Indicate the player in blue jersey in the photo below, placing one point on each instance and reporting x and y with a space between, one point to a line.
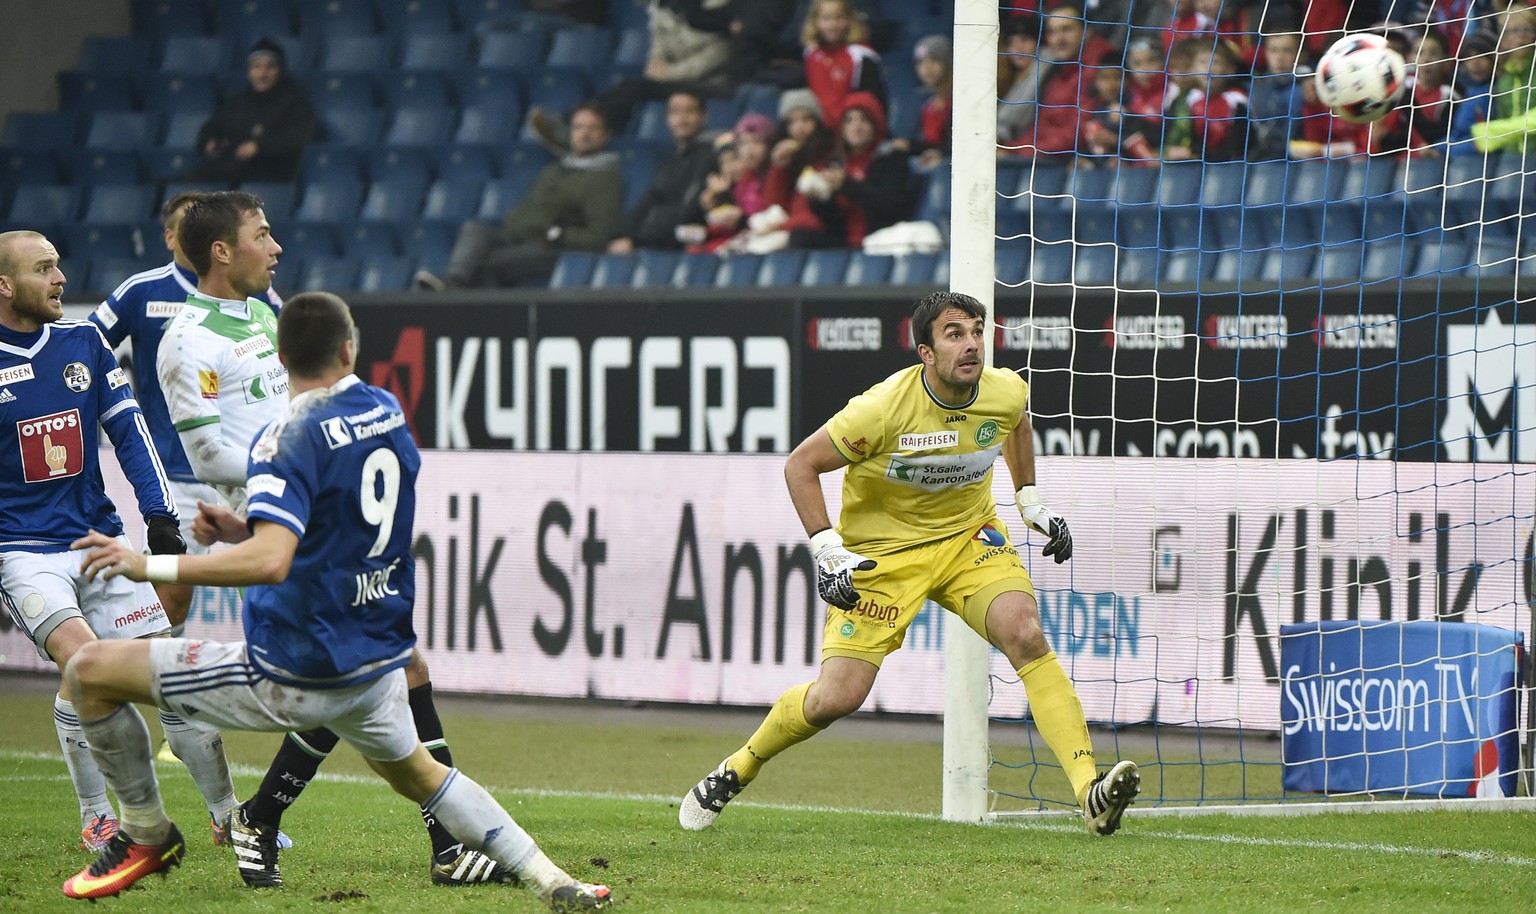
58 383
138 311
331 582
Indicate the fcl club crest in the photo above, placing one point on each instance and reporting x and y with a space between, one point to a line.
77 377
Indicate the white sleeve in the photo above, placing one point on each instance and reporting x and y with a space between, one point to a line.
213 461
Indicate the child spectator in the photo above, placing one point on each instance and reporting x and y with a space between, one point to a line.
1146 84
1511 123
1236 23
934 58
733 193
1320 132
1058 123
870 182
1101 129
837 59
1420 122
1186 21
802 141
1474 90
1276 100
1205 114
1019 72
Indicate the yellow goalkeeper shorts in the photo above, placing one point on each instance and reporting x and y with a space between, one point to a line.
963 574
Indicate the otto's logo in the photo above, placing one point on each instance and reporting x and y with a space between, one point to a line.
986 433
991 536
77 377
208 384
52 447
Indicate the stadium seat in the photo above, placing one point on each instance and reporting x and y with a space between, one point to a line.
421 126
416 17
1385 259
194 54
613 271
762 98
738 270
1185 268
306 240
338 17
1291 267
467 160
1135 185
434 50
365 240
579 46
720 115
99 241
360 51
490 123
522 51
396 198
1369 176
573 270
1494 258
1085 184
1342 261
1137 268
84 91
330 161
248 20
171 92
696 270
27 166
101 166
124 55
1453 259
1050 263
502 194
1094 265
328 200
634 46
429 241
1262 184
654 268
329 274
414 89
453 198
360 127
557 91
934 203
825 268
1314 181
649 123
119 203
915 269
157 19
407 163
1221 183
782 268
341 89
868 269
277 198
902 114
44 204
482 85
1342 222
40 130
385 274
123 130
1180 183
1010 264
1135 226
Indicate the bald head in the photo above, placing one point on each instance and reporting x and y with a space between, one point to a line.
31 283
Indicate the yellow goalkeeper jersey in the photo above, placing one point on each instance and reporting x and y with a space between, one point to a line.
920 470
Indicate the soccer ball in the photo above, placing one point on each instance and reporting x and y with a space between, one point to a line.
1361 78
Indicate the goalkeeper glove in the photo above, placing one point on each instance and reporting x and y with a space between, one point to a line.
835 566
164 536
1047 523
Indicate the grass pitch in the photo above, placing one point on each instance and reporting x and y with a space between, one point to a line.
846 822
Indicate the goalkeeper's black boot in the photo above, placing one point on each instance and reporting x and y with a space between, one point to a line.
255 851
1109 796
581 896
702 806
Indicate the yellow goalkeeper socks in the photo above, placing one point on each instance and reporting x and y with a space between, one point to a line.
1059 717
784 726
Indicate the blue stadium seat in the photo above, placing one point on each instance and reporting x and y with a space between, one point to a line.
1342 261
1492 257
357 51
181 130
1453 259
40 130
430 241
763 98
502 194
194 54
825 268
1010 263
396 198
412 164
557 91
637 174
487 86
247 20
338 17
156 19
1385 217
782 268
721 114
613 271
1342 222
1385 259
368 239
434 50
1291 267
1370 176
329 274
100 241
915 269
169 92
277 198
1314 181
868 269
125 55
934 204
386 274
333 162
341 89
123 130
44 204
421 126
1221 183
1051 263
469 161
1135 226
452 198
654 268
27 166
650 122
1012 225
1137 268
573 270
634 47
902 114
522 51
1186 267
326 200
579 46
1094 265
1135 185
305 241
414 89
101 166
416 17
81 90
490 123
360 127
119 203
1263 184
696 270
738 270
1088 185
1181 182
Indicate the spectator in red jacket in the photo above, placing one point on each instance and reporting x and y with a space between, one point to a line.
1061 109
1206 115
837 59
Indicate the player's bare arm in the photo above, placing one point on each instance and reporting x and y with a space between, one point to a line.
1019 451
262 559
802 472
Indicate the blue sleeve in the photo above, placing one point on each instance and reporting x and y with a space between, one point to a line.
124 423
280 485
118 322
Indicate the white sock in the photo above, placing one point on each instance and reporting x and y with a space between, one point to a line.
201 748
120 743
90 786
473 816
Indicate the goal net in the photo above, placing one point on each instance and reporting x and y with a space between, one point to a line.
1283 383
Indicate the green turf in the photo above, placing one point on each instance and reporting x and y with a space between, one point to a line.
363 849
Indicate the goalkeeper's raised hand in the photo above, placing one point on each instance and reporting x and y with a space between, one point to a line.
835 566
1047 522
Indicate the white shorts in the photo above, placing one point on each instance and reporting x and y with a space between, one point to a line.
216 683
187 495
41 591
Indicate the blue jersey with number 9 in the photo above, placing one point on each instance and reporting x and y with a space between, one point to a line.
340 472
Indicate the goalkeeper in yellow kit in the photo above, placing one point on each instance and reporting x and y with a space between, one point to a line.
919 522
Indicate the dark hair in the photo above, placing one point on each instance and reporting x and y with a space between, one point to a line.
310 331
930 307
698 97
169 208
211 217
591 107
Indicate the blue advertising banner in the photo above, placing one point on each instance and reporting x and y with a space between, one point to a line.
1418 708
